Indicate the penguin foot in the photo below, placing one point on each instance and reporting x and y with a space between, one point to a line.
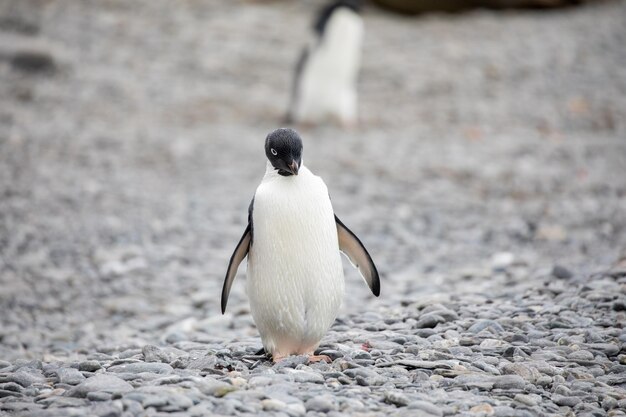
277 357
319 358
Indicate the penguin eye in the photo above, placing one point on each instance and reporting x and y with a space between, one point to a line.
273 151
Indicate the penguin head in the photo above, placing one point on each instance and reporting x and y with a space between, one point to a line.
283 148
327 11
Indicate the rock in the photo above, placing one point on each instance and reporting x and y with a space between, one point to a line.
561 272
322 404
527 373
502 260
99 396
139 367
481 325
152 353
509 382
426 408
89 366
70 376
484 409
429 321
102 383
482 382
273 405
609 349
396 398
33 61
306 376
25 377
565 401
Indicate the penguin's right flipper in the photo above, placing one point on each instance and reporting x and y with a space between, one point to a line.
239 255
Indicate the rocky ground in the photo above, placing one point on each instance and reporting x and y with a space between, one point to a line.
486 178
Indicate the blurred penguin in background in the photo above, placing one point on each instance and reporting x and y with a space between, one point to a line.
324 87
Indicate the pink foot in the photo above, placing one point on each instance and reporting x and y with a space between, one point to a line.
319 358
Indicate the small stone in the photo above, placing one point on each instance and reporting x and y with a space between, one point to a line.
139 367
561 272
481 325
33 62
7 393
152 353
89 366
101 382
306 376
565 401
502 260
323 404
99 396
396 398
525 399
483 382
426 407
273 405
70 376
27 376
429 321
609 349
483 408
509 382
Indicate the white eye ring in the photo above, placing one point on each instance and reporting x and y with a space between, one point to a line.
273 151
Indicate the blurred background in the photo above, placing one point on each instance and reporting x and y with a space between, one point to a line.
490 153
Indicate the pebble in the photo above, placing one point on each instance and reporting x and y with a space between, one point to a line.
322 404
102 383
481 325
396 398
140 367
89 366
152 353
426 408
70 376
564 400
484 409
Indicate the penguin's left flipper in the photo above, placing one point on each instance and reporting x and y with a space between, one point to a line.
239 255
352 247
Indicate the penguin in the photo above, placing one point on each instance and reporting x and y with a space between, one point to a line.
293 241
324 86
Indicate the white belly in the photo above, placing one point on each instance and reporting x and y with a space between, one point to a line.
295 278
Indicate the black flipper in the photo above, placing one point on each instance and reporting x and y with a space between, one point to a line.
240 253
352 247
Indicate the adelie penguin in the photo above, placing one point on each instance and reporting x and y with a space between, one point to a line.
293 241
324 86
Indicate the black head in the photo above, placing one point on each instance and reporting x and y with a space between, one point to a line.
327 11
283 148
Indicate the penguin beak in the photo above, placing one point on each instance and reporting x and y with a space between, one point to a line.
293 167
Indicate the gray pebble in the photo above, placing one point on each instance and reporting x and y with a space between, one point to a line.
322 403
426 407
89 366
102 382
565 401
99 396
306 376
509 382
429 321
396 398
481 325
139 367
152 353
70 376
